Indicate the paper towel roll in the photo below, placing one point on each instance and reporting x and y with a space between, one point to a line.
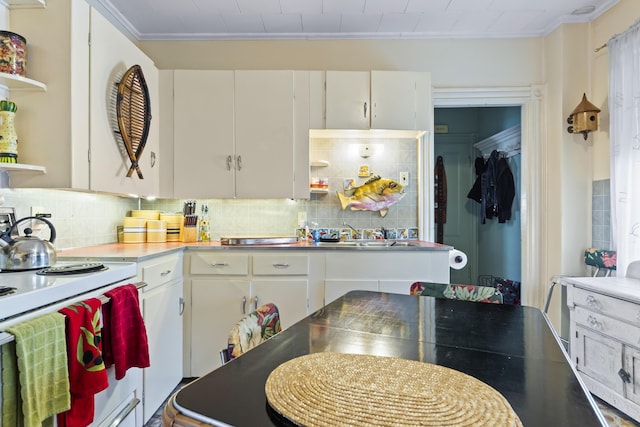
457 259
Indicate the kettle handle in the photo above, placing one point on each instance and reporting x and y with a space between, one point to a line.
46 221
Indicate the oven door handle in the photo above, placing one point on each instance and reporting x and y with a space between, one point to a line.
124 413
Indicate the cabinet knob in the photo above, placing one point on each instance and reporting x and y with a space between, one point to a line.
229 162
365 110
181 306
624 376
153 158
255 302
239 163
243 307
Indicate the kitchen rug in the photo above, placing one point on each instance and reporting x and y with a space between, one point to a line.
331 389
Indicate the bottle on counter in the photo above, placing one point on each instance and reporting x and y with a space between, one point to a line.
204 230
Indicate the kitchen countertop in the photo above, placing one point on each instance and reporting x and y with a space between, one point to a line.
132 252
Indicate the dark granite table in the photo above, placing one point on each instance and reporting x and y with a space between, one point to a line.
511 348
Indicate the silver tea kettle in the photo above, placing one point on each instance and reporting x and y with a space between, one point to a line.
26 252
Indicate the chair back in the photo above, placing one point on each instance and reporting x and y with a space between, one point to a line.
253 329
601 259
475 293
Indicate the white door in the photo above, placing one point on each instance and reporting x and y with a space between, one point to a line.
216 306
264 134
162 312
203 134
599 357
462 220
111 55
400 100
290 296
348 104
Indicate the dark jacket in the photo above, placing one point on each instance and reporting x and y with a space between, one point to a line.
494 188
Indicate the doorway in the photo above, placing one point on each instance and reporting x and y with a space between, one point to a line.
493 248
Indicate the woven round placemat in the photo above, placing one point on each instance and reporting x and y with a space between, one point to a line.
334 389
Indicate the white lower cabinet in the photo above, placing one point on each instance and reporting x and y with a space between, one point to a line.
384 271
225 287
605 340
162 309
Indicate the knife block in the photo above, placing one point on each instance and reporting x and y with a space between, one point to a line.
190 234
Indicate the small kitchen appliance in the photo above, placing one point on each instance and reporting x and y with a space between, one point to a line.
27 252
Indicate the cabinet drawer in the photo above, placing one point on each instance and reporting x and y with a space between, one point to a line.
280 265
607 326
620 309
219 264
162 271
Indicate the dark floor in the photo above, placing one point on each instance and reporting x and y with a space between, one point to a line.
156 419
614 417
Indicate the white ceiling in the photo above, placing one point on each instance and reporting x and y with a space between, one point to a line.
333 19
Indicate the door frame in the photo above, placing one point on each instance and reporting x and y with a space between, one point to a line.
530 98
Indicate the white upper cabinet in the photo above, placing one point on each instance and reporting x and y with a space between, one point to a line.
348 103
111 55
234 134
203 141
73 121
398 100
264 134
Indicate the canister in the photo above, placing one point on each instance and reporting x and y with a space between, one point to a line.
13 53
145 213
135 230
156 231
174 226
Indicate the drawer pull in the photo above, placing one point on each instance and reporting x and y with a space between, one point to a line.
244 305
255 302
281 265
166 272
181 305
592 301
625 376
219 264
594 323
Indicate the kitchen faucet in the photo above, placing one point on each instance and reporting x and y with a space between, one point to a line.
354 230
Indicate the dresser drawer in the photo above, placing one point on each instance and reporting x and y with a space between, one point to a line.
611 306
607 326
162 270
215 264
280 265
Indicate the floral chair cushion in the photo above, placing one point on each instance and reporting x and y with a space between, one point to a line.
461 292
253 329
601 258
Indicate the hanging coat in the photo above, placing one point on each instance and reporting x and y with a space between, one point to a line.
494 188
440 198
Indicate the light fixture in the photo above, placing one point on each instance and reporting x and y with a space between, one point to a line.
584 118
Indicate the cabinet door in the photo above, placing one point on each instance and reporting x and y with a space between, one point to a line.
290 296
599 357
216 305
348 104
334 289
203 134
111 55
264 134
400 100
632 367
162 311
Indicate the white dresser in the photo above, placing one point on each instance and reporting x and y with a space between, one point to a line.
605 337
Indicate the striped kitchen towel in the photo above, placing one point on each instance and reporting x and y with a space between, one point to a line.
43 378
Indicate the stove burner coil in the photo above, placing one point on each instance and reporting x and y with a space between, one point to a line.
66 270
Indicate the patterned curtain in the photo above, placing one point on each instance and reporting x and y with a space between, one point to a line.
624 107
